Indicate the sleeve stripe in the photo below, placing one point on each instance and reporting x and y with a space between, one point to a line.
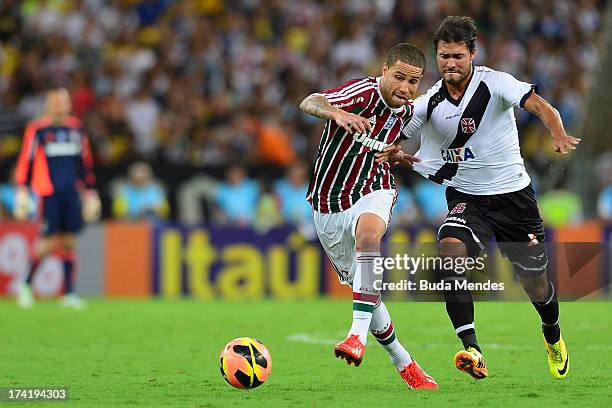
349 88
350 95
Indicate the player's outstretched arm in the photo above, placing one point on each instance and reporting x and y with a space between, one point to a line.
562 142
317 105
395 155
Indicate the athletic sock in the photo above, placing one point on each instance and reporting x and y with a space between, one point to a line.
468 338
364 295
549 313
68 257
384 332
460 310
33 268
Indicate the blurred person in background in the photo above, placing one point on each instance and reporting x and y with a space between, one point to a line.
604 204
268 214
142 116
560 207
405 212
237 197
273 142
141 197
290 191
431 200
56 162
604 201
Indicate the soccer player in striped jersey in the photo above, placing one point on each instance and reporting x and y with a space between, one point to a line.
469 142
352 196
55 162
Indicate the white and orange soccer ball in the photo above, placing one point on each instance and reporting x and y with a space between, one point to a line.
245 363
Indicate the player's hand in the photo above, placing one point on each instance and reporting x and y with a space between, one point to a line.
564 143
91 207
24 205
394 155
351 122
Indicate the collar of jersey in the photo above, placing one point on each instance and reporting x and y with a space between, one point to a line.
447 94
394 110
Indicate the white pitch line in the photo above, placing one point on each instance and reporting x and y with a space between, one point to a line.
316 338
333 338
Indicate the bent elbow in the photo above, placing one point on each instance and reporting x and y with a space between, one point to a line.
304 103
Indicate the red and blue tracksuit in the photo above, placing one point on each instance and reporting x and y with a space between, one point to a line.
56 163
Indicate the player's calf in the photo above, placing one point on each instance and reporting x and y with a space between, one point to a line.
368 232
455 243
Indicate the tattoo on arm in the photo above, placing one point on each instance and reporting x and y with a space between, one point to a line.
318 106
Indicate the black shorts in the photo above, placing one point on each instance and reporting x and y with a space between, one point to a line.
61 212
512 218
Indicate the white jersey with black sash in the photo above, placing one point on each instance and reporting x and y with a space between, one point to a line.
472 143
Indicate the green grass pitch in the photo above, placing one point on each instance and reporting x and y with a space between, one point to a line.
166 353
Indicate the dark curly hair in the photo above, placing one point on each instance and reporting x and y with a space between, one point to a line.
457 29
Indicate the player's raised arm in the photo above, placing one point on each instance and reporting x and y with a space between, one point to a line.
26 155
317 105
562 142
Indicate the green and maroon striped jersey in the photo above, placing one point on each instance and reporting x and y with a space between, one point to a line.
345 169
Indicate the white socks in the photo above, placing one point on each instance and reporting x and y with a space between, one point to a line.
381 327
364 295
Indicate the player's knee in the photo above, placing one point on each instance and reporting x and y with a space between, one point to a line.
452 247
68 243
45 246
367 239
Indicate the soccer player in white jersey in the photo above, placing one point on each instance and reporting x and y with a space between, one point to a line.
469 142
352 196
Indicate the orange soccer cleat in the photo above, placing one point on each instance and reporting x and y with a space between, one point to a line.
351 349
472 362
416 378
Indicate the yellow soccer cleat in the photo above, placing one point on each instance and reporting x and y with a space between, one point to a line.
472 362
558 359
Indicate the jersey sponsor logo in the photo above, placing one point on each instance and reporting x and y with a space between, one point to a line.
369 142
62 149
453 116
459 208
455 219
390 123
457 155
468 125
349 103
61 135
372 120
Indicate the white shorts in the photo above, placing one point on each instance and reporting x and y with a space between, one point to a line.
336 231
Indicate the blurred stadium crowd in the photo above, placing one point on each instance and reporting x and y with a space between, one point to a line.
207 92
